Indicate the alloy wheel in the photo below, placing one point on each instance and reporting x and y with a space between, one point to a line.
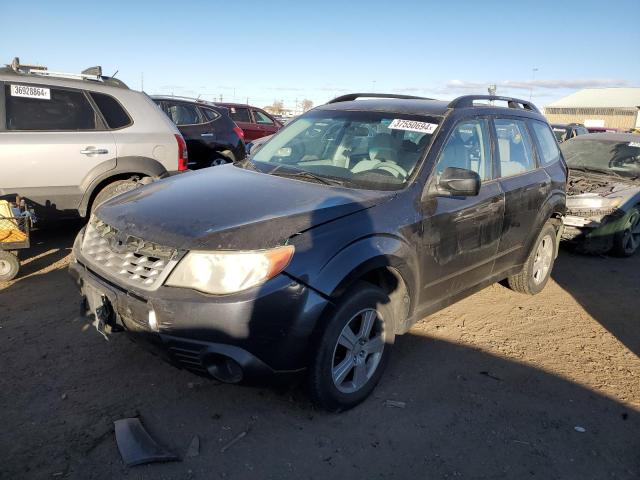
631 236
358 351
543 259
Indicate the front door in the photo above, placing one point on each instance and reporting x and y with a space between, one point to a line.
461 234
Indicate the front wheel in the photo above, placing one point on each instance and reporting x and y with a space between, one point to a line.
537 269
627 242
111 190
353 350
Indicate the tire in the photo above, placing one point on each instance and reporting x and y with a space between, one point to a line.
111 190
219 161
347 367
9 266
627 242
537 269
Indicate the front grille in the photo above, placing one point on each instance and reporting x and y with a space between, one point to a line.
130 259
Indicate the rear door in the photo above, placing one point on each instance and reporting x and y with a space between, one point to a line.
461 234
526 186
53 137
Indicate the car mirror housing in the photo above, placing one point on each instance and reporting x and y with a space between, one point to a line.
458 182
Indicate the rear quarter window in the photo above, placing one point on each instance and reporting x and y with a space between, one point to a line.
114 114
549 151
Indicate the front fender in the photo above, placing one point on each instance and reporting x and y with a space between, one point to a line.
362 256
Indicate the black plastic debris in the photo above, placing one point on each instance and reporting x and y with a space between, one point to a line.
136 446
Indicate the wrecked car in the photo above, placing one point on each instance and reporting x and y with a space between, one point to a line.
353 222
603 193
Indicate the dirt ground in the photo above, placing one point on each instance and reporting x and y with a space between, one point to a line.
496 386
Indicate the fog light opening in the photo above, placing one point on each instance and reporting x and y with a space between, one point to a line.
153 321
224 369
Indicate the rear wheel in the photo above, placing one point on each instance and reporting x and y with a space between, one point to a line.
9 266
627 242
111 190
537 269
353 350
219 161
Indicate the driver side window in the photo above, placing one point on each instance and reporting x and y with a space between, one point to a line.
468 147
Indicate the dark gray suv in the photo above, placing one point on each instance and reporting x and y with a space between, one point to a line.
353 222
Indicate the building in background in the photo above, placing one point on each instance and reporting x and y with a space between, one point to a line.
598 107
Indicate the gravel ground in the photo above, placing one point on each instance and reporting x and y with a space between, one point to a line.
499 385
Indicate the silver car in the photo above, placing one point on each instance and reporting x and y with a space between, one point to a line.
603 192
70 141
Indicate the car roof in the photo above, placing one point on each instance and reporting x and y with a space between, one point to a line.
609 137
243 105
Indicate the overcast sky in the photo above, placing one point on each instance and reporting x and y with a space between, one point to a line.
267 50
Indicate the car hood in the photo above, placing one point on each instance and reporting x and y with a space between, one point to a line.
227 207
582 186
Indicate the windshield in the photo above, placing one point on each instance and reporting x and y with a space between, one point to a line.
607 156
371 150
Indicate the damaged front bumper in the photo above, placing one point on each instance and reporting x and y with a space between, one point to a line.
254 336
593 231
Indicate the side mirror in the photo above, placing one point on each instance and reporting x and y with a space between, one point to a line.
458 182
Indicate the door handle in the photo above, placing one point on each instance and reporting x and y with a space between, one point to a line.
94 151
206 134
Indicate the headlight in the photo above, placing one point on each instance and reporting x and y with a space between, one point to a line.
592 201
224 272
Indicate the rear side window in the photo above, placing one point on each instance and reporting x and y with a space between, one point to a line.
514 147
58 110
549 151
111 110
240 114
210 115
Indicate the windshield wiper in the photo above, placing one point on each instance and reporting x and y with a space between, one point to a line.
307 174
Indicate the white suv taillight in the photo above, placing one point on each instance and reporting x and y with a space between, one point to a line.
183 155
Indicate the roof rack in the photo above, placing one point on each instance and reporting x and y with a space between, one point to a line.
467 101
352 96
91 73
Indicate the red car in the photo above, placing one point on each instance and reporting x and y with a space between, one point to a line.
254 122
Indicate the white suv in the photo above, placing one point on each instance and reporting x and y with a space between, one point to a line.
69 142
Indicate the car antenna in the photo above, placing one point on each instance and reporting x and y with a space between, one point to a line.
114 74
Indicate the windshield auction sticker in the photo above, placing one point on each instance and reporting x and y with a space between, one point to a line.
30 92
412 126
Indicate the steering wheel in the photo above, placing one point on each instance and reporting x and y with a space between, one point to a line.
392 168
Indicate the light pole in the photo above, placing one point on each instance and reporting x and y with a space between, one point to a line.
533 79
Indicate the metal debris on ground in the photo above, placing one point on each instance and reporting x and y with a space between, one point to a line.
394 403
235 440
136 446
194 447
